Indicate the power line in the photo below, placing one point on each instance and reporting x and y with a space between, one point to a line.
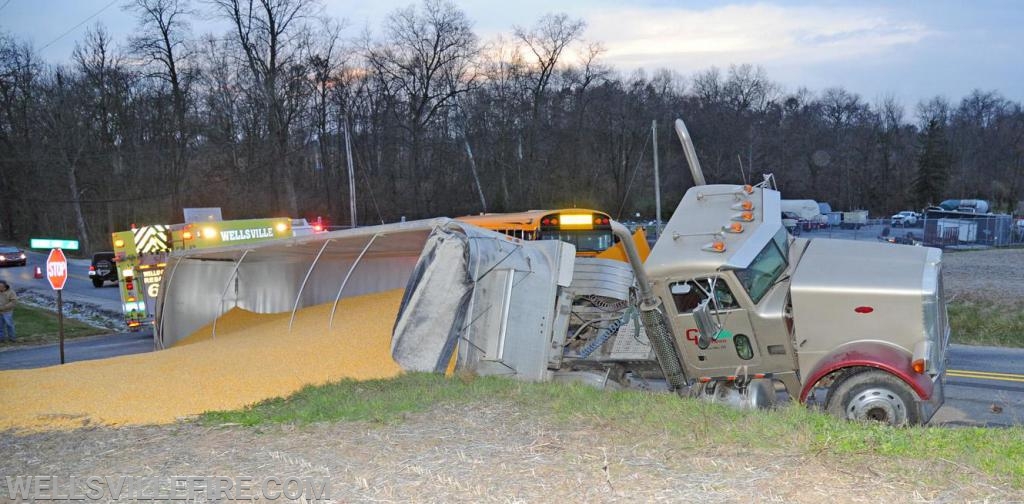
5 4
73 28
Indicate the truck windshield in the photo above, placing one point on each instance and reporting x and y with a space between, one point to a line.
763 271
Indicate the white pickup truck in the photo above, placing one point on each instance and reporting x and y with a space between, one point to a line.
905 218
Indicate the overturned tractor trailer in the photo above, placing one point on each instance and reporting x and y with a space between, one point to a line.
728 307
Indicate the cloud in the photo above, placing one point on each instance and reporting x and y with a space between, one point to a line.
758 33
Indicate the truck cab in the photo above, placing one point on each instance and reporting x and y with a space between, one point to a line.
746 301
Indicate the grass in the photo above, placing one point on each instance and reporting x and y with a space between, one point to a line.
38 325
382 401
978 323
687 424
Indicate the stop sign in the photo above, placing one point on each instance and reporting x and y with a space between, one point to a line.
57 269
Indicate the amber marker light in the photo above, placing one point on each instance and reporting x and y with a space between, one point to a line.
744 217
735 227
919 366
717 246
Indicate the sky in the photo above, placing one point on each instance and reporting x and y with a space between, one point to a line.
910 50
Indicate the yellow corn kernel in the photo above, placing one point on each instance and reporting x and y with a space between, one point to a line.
252 358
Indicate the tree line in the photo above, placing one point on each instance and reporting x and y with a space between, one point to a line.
264 119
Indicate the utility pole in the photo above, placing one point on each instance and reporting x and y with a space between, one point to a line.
351 175
476 178
657 181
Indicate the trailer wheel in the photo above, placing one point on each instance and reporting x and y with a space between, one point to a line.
873 395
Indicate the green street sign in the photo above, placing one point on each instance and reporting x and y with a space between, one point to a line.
52 243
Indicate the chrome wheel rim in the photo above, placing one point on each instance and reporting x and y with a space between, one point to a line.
878 405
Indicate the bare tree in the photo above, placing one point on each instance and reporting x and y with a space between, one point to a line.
272 35
105 83
425 60
160 39
327 61
546 40
64 126
19 74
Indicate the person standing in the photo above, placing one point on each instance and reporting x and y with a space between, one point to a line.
8 299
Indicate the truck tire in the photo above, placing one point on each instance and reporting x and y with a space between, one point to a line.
97 282
873 395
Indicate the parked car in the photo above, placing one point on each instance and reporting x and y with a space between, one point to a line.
905 218
102 269
12 256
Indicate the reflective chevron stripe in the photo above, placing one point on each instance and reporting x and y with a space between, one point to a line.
151 239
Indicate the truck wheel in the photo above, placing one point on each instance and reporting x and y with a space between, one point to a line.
873 395
97 282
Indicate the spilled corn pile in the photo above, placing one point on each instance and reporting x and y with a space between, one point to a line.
253 357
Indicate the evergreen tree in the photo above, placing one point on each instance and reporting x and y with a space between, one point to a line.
932 163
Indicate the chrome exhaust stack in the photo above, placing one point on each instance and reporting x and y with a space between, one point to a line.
651 316
691 153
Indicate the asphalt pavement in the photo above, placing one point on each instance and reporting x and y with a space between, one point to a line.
78 349
984 386
78 288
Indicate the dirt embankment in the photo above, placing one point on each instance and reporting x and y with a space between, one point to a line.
494 452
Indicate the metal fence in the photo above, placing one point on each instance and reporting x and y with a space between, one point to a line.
981 231
973 231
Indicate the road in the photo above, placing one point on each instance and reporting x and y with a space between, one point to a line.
78 287
79 349
984 386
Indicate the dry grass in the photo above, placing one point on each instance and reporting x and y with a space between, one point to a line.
993 276
253 358
502 451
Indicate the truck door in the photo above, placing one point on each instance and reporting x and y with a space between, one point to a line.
735 345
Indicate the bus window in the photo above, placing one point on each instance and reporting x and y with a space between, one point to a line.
584 241
588 230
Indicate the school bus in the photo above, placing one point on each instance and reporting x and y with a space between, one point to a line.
590 231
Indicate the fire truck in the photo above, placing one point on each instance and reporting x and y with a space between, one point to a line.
141 254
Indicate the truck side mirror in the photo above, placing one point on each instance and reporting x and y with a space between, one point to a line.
707 324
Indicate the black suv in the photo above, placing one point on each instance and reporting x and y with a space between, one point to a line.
102 269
